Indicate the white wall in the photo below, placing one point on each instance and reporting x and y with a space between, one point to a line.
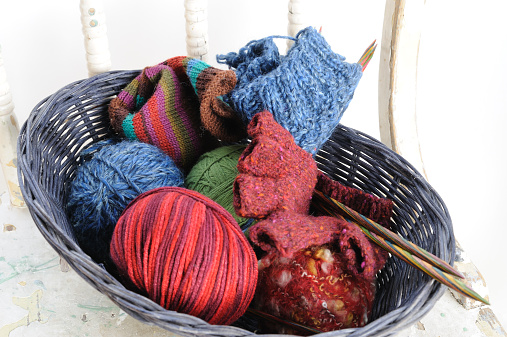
462 115
461 106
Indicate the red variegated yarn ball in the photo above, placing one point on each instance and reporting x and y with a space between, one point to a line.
186 253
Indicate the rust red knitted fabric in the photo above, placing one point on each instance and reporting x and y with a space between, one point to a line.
187 253
287 233
275 184
274 173
374 208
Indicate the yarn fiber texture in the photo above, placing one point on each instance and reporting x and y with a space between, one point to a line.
313 288
274 173
275 185
213 176
111 175
307 91
186 253
174 106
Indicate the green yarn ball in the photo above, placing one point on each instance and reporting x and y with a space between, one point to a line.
213 176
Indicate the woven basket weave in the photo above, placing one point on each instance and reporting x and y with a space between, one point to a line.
76 116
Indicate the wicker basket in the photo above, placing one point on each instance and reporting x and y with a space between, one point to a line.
76 115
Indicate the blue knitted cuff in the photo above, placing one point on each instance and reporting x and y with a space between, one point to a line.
307 91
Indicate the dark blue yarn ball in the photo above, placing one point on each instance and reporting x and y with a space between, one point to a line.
111 174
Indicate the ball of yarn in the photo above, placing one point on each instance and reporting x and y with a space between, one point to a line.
186 253
111 175
213 176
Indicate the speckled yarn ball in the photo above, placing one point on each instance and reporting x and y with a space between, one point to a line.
213 176
313 288
186 253
110 176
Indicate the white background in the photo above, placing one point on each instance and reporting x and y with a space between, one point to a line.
462 85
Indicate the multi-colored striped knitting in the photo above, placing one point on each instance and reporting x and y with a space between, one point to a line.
174 105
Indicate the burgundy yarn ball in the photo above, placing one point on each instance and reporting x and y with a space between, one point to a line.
186 253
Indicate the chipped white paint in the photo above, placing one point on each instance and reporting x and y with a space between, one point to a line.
449 319
489 324
93 21
196 24
398 78
9 131
33 306
297 18
473 279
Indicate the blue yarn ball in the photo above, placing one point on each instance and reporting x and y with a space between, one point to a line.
112 173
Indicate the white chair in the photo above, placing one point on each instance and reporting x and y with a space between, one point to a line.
397 128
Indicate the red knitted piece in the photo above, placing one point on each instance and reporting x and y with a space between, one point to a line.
327 293
275 173
376 209
187 253
314 288
287 233
275 184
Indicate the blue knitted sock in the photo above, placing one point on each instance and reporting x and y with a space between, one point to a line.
307 91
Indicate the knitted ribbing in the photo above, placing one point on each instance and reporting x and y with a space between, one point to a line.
377 209
307 91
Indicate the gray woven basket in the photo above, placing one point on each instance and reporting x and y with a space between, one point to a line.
63 124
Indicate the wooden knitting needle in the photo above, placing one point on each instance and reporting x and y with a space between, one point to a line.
407 251
367 55
387 234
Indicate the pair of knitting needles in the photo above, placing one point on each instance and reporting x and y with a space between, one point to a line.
400 247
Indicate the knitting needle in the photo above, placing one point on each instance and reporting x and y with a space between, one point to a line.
435 273
367 55
405 255
391 236
275 319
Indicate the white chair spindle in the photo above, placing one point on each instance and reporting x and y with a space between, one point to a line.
9 131
93 21
398 78
296 19
196 16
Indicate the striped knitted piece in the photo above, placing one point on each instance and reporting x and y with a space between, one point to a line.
307 91
162 107
186 253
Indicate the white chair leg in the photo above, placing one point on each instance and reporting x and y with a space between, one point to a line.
9 131
196 16
93 21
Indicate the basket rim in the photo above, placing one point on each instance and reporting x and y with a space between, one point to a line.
45 213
